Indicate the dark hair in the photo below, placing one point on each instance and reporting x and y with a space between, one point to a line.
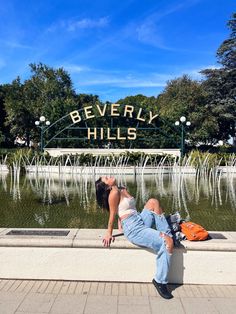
102 193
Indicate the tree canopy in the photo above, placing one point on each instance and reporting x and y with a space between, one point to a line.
184 96
220 86
226 53
47 92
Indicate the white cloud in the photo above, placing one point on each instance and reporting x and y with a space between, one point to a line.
125 83
148 32
71 25
15 44
87 23
124 80
195 73
212 67
73 68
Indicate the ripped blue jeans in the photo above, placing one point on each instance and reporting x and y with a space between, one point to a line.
137 229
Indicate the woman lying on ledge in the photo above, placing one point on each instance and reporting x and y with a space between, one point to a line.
137 226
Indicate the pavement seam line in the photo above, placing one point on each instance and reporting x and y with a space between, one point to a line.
26 294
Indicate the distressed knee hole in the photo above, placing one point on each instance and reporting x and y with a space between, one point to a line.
168 242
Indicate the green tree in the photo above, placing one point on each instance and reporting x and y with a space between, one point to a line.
184 96
2 114
220 85
145 136
5 137
47 92
149 103
77 134
226 53
18 113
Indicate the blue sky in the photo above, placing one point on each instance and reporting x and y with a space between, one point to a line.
113 48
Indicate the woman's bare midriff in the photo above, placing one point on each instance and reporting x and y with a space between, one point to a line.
124 216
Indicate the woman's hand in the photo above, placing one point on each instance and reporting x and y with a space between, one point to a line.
107 240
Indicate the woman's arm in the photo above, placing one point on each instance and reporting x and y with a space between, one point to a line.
120 225
114 198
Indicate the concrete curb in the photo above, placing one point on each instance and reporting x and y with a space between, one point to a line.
81 256
92 238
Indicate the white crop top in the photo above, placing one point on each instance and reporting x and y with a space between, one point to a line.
126 206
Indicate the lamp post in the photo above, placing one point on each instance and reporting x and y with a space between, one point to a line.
183 123
42 124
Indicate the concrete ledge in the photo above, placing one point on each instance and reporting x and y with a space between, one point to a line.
119 170
92 238
105 151
131 170
37 241
81 256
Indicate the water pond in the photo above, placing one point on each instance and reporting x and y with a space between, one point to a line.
66 201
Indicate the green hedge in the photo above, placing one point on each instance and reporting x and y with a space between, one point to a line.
196 158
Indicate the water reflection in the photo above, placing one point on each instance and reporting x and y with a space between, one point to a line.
3 181
193 195
62 188
182 189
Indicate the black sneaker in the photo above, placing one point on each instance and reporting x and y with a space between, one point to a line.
162 290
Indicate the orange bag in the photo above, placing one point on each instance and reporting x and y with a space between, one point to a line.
193 232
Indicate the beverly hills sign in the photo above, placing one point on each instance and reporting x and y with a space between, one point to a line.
127 111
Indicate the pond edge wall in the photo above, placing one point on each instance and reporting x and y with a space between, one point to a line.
81 256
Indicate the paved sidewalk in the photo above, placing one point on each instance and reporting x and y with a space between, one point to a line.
76 297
